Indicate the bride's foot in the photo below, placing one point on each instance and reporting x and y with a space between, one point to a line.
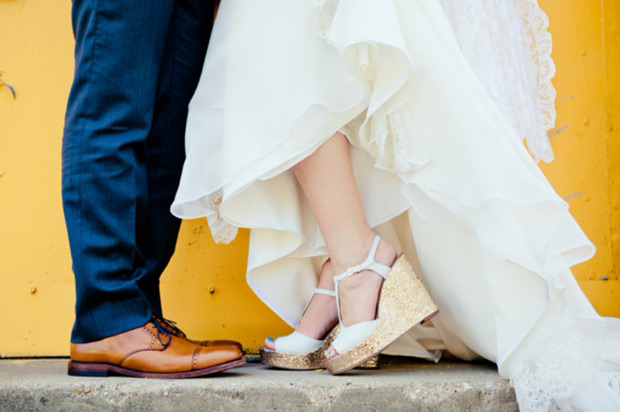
321 314
359 295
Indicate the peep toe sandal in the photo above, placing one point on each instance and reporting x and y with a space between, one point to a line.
403 303
298 351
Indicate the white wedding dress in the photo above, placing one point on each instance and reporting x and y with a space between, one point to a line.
438 157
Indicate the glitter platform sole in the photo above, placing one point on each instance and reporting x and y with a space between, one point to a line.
299 361
308 361
404 303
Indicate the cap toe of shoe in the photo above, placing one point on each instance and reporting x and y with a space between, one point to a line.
210 356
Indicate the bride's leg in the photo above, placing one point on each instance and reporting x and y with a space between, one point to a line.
329 184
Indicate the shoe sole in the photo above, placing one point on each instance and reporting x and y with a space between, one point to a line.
309 361
298 361
404 303
104 370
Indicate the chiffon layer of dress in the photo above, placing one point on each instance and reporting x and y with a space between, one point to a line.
442 176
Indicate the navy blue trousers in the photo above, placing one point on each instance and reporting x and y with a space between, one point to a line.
137 65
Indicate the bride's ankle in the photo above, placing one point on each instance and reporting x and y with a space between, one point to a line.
358 252
326 278
359 295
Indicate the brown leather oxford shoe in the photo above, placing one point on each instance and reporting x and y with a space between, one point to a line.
150 352
173 329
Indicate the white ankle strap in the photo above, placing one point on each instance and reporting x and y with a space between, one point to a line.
368 264
325 292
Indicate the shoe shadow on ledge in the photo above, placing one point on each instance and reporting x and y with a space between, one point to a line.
400 366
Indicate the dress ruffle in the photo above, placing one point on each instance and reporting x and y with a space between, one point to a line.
440 172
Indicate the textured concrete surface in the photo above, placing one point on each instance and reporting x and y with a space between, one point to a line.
43 385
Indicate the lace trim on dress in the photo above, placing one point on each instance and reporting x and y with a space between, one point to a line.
541 46
323 12
508 45
553 364
402 159
221 231
550 369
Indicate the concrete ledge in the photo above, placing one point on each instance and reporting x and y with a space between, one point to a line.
400 384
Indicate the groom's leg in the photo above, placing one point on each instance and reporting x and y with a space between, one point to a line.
120 47
119 52
186 47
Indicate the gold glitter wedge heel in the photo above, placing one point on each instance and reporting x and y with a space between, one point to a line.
372 363
403 303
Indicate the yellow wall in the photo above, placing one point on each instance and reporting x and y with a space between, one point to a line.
587 147
204 287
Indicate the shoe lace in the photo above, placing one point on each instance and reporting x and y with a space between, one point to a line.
169 325
162 331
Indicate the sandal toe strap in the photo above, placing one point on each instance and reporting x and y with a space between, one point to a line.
297 343
350 336
325 292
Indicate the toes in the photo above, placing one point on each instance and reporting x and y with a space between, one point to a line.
330 353
270 343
